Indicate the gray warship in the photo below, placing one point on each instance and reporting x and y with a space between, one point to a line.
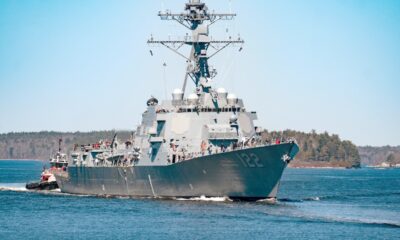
202 144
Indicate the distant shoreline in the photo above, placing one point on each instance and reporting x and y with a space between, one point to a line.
311 167
36 160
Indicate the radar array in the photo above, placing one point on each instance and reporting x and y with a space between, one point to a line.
198 19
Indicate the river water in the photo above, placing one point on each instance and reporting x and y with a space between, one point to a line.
312 204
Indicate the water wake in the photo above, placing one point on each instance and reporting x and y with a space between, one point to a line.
299 200
336 219
206 199
267 201
381 223
349 196
338 197
312 199
15 187
289 200
20 187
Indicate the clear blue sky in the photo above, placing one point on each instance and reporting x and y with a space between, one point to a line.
84 65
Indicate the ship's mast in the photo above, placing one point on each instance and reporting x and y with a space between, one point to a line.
59 145
197 19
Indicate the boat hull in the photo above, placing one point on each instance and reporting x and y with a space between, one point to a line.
41 185
248 174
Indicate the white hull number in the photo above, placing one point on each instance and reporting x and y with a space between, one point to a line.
250 160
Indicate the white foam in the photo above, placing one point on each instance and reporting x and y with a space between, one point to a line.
20 187
16 187
268 200
312 199
206 199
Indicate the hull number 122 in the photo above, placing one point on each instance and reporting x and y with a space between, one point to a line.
250 160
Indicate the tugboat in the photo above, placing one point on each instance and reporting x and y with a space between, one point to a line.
58 163
202 144
47 182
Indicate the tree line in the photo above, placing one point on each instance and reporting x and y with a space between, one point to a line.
373 156
315 149
42 145
319 150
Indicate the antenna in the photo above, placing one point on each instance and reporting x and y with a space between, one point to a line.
165 79
59 144
112 143
198 20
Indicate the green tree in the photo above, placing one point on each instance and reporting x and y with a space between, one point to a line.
390 159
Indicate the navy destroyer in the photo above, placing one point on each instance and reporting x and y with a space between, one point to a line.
202 144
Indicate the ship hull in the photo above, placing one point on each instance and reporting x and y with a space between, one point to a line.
247 174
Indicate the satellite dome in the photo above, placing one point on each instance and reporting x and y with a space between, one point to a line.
192 98
222 93
232 99
221 90
232 96
177 90
177 94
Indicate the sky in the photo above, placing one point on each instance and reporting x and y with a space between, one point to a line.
77 65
